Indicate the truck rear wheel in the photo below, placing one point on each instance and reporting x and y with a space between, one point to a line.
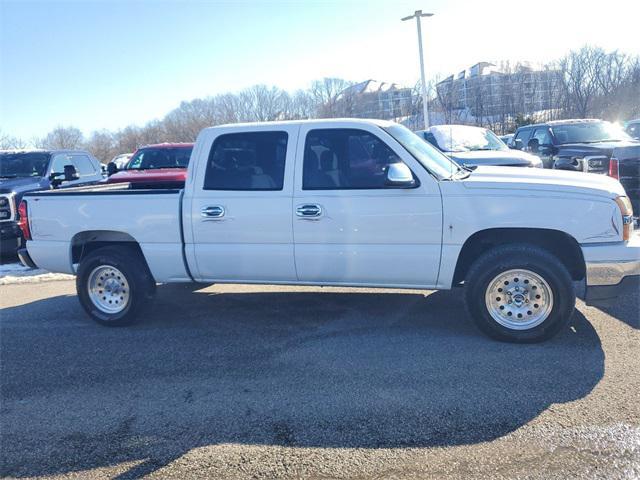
519 293
113 285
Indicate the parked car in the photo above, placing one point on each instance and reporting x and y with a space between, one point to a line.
120 161
24 171
632 127
155 166
473 146
507 139
592 146
347 203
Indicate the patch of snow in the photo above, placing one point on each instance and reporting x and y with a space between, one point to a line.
16 273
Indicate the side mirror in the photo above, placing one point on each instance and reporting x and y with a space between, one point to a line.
399 175
517 144
70 173
111 168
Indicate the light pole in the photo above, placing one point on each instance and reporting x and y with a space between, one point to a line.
417 15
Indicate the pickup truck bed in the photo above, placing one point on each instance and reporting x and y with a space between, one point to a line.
156 216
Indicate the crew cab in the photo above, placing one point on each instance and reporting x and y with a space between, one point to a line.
592 146
163 165
347 203
24 171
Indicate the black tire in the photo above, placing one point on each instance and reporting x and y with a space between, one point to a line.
525 257
140 283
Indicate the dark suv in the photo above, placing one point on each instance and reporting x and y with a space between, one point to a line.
592 146
24 171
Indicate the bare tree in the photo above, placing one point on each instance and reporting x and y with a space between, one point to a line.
9 142
102 145
262 104
61 138
185 122
301 105
580 79
326 93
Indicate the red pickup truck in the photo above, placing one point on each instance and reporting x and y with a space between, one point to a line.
156 166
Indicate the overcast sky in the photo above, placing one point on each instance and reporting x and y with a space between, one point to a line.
108 64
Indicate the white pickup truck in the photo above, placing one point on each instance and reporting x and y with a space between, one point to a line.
349 203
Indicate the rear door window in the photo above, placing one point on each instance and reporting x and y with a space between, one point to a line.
84 165
247 161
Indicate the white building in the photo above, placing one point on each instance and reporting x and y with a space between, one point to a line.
486 90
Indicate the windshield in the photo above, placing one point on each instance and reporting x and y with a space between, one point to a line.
434 161
589 132
23 164
172 157
460 138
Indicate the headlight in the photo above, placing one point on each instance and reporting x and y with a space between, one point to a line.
7 207
627 216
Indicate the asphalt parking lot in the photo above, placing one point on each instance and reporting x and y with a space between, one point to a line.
286 382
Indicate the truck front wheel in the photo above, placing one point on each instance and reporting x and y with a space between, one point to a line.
519 293
113 285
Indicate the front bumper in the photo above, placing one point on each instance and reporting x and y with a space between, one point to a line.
612 270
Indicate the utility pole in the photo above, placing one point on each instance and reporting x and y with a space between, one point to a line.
418 15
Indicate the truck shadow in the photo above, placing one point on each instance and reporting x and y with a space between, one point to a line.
625 308
298 369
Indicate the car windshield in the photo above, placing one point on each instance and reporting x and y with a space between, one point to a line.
165 157
460 138
589 132
23 164
434 161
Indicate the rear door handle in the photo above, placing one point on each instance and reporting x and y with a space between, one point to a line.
212 212
309 210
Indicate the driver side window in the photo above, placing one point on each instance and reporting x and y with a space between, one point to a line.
343 159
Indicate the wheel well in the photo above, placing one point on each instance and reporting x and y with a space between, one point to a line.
85 242
560 244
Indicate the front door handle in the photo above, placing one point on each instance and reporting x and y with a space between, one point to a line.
309 210
214 211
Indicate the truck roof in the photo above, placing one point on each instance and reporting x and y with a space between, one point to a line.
319 121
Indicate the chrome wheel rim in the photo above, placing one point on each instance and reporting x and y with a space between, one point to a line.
108 289
519 299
